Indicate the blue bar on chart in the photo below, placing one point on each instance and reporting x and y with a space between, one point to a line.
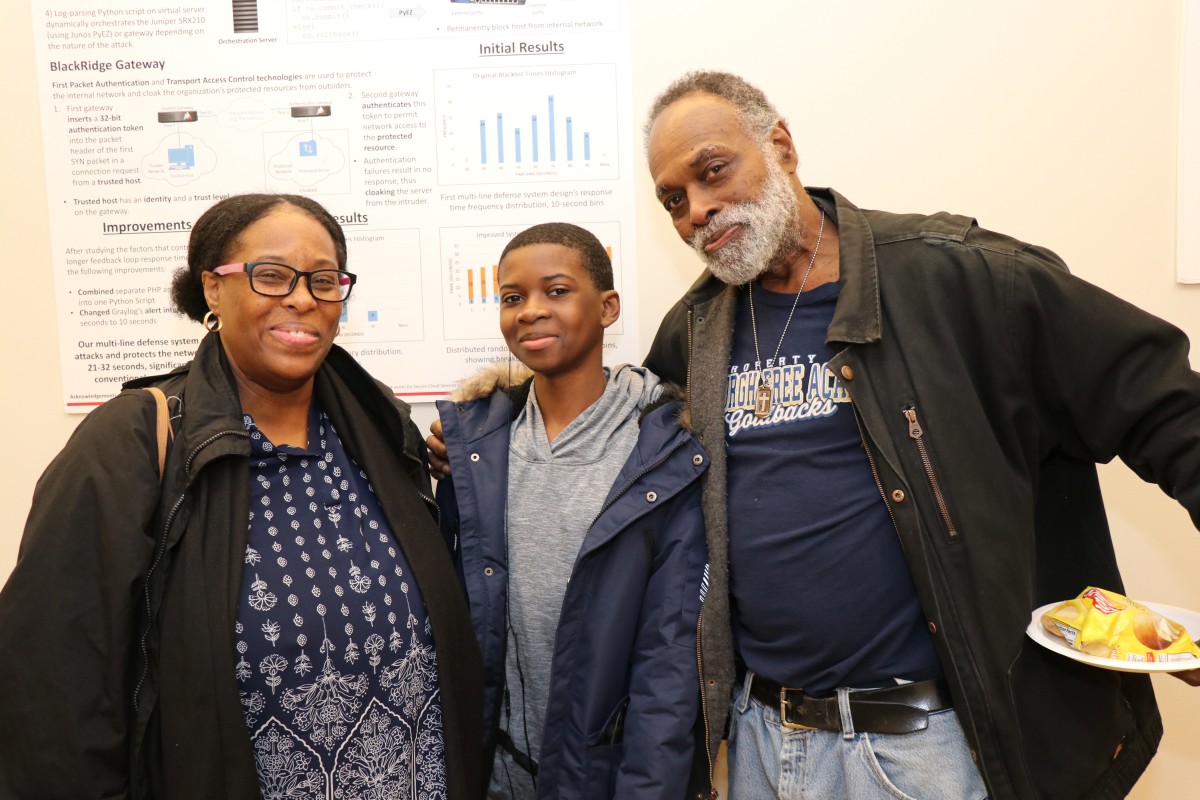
569 125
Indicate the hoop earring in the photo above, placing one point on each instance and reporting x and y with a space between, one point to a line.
213 322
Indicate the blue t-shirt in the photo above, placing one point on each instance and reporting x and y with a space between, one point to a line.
822 594
335 661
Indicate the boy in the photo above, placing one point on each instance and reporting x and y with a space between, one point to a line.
573 512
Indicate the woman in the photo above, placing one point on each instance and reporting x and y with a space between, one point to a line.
262 622
575 514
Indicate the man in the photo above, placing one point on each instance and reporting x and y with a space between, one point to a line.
911 410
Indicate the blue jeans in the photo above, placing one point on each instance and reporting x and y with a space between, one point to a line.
769 761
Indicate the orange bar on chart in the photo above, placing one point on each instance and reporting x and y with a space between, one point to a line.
470 287
495 283
483 284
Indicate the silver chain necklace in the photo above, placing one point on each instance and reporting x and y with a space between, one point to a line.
764 394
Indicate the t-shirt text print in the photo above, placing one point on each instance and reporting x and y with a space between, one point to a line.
803 388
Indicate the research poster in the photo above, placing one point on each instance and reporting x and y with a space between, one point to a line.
1188 255
434 130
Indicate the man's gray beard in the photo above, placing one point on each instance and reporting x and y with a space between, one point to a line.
770 228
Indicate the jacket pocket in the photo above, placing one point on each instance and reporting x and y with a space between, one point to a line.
1074 719
919 437
613 730
604 752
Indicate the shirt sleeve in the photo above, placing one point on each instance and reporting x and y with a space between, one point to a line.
67 612
1111 379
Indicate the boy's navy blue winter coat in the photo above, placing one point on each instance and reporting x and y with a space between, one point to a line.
624 695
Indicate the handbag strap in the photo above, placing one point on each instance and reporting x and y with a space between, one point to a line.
164 431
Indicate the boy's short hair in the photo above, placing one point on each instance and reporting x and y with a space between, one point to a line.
595 258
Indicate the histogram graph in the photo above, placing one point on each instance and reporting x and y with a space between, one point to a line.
526 124
536 156
386 305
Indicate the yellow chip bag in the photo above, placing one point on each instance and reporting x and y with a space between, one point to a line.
1109 625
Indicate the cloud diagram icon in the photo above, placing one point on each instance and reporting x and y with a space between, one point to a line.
179 159
307 159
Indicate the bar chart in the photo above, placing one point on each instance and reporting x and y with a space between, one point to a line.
526 124
386 304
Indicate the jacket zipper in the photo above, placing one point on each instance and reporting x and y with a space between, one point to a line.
917 434
687 389
146 590
429 501
712 767
158 557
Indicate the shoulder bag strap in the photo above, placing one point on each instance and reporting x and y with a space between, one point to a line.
165 431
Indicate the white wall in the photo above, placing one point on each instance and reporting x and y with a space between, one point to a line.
1053 122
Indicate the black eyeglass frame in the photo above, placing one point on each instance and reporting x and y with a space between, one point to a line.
347 279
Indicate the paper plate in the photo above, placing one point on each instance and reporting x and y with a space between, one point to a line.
1188 619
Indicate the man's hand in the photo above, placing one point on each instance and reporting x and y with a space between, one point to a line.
439 459
1191 677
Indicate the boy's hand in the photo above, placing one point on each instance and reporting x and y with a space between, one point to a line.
439 459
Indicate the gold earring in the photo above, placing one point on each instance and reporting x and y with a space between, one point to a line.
212 322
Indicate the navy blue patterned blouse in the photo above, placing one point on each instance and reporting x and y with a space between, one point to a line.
336 668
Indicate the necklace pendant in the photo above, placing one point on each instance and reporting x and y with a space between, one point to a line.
763 396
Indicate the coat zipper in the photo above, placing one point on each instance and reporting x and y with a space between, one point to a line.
146 590
429 501
712 767
158 557
917 434
713 794
687 389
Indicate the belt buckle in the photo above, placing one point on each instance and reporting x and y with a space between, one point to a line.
784 705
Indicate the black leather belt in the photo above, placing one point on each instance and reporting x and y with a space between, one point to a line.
892 709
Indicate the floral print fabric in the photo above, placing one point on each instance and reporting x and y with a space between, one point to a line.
335 661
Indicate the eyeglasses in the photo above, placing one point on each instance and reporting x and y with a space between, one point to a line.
279 280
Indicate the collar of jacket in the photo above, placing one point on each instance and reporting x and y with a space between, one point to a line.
858 318
515 379
491 405
212 427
